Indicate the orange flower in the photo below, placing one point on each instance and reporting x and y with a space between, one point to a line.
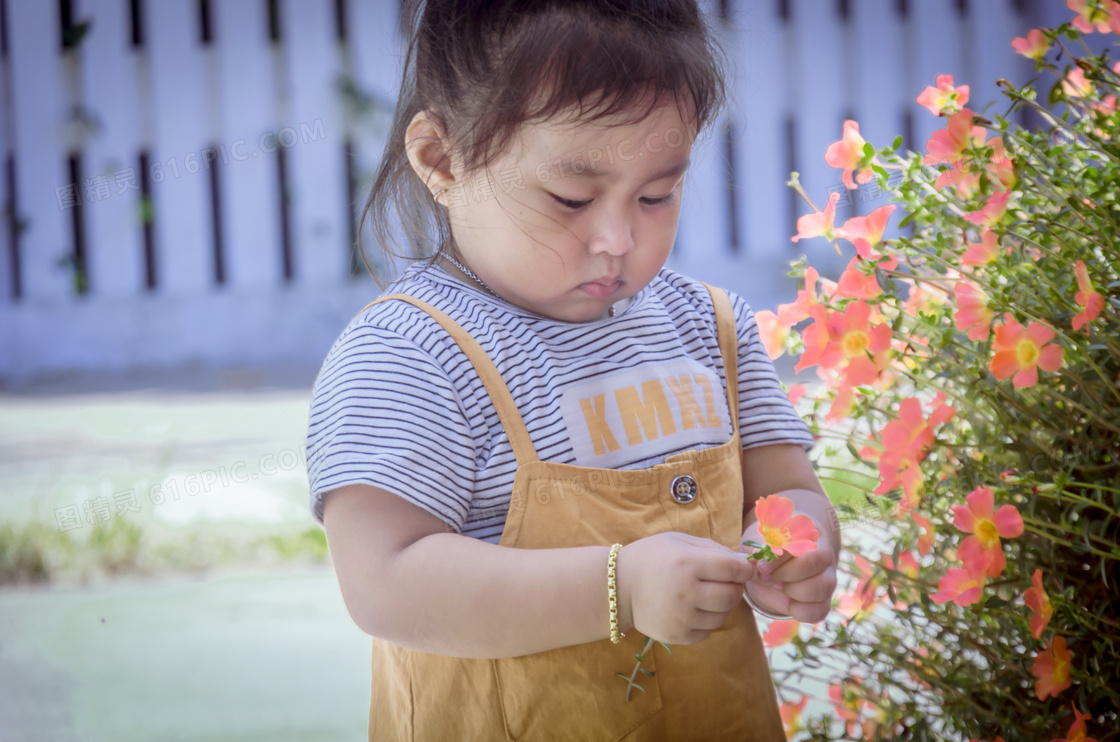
972 315
1051 668
855 284
792 313
848 342
865 232
846 154
1075 85
847 699
1033 46
983 551
983 252
1039 603
791 716
945 98
796 392
1077 730
1092 16
950 144
925 541
780 632
1022 351
781 529
906 443
819 223
1090 301
992 212
771 332
960 586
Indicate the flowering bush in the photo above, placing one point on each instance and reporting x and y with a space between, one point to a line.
971 389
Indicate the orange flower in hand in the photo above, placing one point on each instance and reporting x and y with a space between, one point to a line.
781 529
1039 603
1022 351
1051 669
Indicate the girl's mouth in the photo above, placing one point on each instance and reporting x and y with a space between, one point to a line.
601 289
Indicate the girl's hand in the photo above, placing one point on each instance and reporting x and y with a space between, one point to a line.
798 587
678 588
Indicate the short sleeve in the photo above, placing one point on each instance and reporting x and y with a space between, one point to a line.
766 416
384 413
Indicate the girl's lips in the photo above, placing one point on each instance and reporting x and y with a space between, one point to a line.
601 290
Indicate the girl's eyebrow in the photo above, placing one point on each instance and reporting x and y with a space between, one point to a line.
594 174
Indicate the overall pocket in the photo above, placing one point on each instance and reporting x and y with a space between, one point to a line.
573 693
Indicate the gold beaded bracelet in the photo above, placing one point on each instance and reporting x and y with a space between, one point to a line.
612 594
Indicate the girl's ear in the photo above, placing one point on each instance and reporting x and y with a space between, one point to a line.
427 150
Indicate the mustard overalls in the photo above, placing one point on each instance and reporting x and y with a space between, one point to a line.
719 689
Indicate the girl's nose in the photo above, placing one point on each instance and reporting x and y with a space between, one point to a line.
611 235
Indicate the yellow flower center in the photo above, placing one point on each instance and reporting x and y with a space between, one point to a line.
1027 352
986 532
775 535
855 342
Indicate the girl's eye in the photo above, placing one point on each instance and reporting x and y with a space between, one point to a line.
570 204
577 205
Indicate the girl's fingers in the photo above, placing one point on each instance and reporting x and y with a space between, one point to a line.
817 589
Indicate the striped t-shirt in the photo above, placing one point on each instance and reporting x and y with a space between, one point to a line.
398 405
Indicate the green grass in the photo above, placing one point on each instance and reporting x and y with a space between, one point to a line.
35 552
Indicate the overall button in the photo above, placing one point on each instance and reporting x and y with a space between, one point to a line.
683 489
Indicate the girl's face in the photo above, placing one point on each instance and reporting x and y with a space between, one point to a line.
575 217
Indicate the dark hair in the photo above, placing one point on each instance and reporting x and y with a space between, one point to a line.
484 67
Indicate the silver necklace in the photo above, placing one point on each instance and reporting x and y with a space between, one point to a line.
470 274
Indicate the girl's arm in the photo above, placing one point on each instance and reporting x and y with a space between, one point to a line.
407 579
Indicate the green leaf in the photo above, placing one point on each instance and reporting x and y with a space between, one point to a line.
647 672
896 143
643 690
624 677
667 647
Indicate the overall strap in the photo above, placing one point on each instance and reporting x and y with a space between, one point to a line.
499 394
728 348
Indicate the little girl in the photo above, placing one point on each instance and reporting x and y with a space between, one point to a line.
541 446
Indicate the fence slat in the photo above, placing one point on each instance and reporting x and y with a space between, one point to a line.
935 38
248 178
109 83
39 112
994 26
879 87
317 174
819 84
180 103
6 277
761 101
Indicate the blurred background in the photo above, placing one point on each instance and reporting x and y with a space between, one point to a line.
181 181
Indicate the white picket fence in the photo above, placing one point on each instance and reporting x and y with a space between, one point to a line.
199 171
